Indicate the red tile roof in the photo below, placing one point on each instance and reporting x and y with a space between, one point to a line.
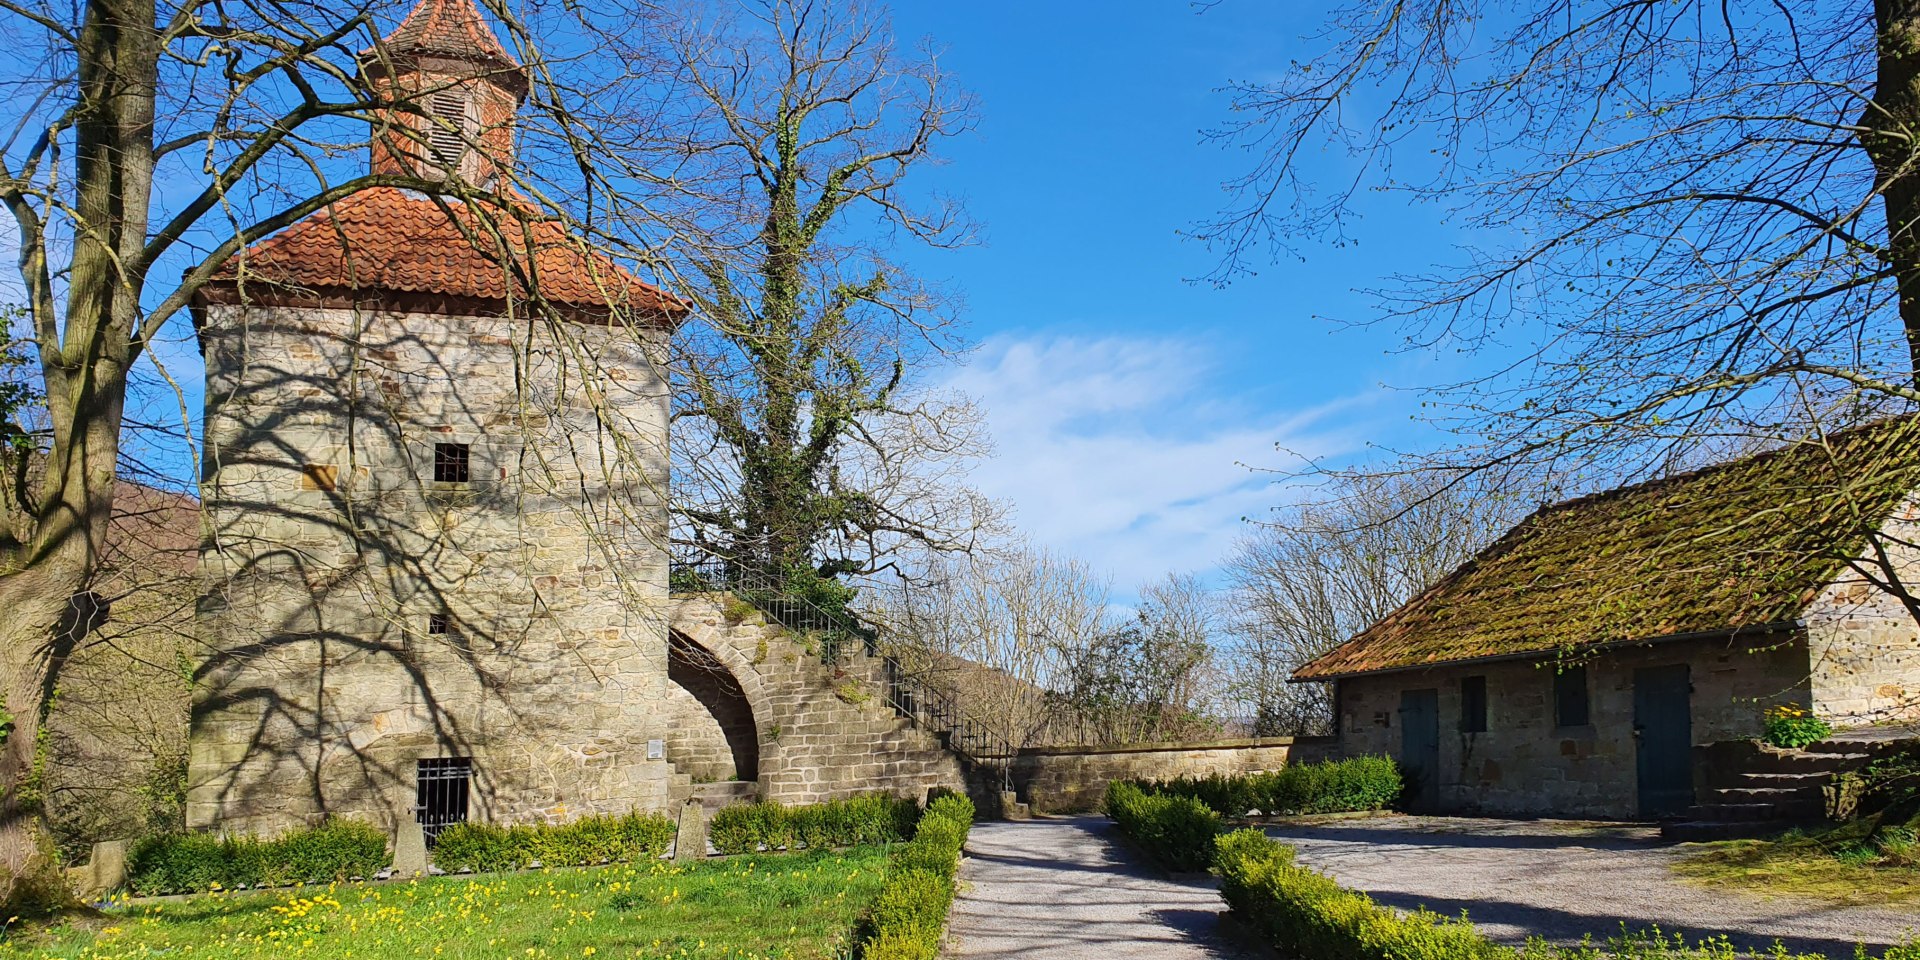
447 28
385 241
1741 545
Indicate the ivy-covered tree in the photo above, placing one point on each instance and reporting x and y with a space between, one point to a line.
803 447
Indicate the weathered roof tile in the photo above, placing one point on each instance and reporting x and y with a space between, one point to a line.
1743 544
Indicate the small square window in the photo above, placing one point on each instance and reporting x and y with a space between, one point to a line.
1570 704
439 624
1473 704
452 463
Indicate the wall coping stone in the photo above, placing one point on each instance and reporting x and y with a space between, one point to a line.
1170 746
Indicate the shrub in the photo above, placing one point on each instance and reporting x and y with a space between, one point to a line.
484 848
1335 786
189 863
875 818
1304 914
911 912
1794 727
1178 831
1301 913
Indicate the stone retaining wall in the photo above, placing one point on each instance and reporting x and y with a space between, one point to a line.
1074 779
823 732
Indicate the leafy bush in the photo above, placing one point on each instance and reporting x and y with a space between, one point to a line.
911 912
1794 727
193 862
484 848
1178 831
1304 914
875 818
1336 786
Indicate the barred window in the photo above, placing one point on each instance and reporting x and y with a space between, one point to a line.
452 462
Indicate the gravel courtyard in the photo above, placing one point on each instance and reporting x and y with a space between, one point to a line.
1562 879
1066 889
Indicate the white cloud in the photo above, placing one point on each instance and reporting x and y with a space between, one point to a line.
1126 452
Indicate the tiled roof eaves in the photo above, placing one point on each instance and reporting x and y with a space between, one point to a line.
265 293
1545 655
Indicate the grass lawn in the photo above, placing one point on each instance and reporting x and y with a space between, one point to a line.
775 906
1859 863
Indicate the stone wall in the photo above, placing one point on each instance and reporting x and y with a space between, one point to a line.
1074 779
824 732
361 616
1524 765
1865 641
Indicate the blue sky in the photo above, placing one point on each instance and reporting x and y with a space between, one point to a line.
1130 405
1126 401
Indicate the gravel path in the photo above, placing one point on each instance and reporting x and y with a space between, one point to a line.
1560 880
1063 889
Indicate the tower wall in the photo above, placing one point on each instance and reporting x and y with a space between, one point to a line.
333 557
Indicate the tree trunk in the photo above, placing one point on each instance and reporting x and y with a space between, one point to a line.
1892 140
65 523
36 602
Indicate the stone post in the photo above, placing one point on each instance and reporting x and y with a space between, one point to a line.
691 842
410 850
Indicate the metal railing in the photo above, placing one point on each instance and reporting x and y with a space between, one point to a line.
936 711
838 631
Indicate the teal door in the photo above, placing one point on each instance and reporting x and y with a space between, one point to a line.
1420 748
1663 738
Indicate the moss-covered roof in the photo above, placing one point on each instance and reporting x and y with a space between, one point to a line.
1742 544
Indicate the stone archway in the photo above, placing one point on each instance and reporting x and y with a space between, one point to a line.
714 736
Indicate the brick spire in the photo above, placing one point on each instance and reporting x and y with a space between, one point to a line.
461 88
453 29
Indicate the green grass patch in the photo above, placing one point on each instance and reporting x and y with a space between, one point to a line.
773 906
1867 861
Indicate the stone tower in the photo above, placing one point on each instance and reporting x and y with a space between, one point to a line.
434 569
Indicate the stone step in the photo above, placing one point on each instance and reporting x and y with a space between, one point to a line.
1700 831
1747 812
1804 762
713 796
1792 781
1784 799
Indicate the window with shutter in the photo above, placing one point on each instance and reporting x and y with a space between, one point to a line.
448 128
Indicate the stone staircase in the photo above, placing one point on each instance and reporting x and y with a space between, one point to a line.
1746 788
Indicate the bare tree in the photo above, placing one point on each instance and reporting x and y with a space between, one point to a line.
1324 570
1697 220
999 631
146 145
1148 678
802 444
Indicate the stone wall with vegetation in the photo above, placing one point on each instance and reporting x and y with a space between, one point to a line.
825 732
1523 764
1074 779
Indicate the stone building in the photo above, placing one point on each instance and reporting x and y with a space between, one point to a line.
1573 666
433 576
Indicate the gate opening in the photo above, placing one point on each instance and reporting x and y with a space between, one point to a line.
441 787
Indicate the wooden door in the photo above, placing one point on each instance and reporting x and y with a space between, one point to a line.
1663 738
1420 748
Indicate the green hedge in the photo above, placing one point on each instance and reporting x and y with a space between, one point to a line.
876 818
911 912
196 862
1175 830
1336 786
1301 913
484 848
